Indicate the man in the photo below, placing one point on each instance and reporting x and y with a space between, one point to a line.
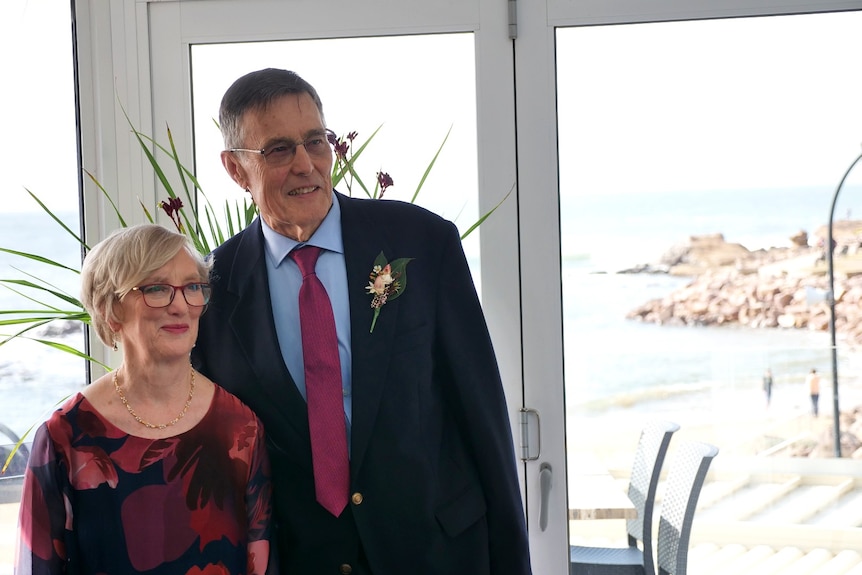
433 486
767 385
812 380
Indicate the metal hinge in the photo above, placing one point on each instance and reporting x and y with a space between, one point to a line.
531 435
513 19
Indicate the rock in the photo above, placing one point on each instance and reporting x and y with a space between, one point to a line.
60 328
702 253
845 233
800 239
776 288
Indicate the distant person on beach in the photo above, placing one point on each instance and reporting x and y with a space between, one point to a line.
152 468
767 385
825 254
813 382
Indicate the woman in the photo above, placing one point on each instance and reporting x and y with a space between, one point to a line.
152 468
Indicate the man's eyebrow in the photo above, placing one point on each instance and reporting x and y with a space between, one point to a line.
315 132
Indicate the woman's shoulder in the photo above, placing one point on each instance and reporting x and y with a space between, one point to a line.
68 407
227 404
63 422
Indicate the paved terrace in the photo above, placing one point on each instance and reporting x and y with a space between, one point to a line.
765 515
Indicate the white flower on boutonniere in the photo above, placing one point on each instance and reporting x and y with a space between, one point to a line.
387 281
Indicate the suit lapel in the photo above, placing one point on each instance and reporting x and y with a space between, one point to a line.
370 351
254 328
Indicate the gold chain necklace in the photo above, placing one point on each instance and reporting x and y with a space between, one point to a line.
142 421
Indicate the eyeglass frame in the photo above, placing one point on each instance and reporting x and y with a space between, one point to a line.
182 288
327 135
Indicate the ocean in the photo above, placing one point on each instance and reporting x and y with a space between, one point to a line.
34 377
611 363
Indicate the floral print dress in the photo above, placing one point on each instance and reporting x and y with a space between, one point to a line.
98 500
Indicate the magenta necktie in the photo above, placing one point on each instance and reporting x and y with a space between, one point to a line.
323 386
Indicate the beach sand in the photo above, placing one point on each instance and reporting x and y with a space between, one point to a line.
8 534
738 423
741 427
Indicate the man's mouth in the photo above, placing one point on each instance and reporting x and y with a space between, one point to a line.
301 191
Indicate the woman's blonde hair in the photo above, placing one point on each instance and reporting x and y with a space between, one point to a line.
124 259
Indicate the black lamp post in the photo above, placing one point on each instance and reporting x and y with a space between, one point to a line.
831 295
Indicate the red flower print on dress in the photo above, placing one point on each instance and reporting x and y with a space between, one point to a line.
209 570
90 467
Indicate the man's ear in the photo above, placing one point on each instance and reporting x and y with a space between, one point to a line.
234 169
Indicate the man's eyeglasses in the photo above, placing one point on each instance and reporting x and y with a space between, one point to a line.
162 295
282 153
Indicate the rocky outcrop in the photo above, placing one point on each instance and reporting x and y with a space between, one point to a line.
703 253
776 288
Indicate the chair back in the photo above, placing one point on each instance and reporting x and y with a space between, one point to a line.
685 478
643 484
18 463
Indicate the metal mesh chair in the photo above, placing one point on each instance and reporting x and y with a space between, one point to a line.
643 483
19 461
684 482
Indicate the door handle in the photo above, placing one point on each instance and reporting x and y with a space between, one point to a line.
545 481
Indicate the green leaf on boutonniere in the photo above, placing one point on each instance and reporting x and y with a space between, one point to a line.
387 281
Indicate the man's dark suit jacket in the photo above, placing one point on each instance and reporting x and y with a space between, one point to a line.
433 476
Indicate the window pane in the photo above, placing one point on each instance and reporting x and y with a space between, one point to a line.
738 127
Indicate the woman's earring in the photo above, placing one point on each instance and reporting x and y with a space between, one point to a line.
115 348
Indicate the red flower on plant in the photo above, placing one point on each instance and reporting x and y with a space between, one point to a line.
384 180
341 146
172 207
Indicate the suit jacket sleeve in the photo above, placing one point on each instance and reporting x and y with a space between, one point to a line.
476 396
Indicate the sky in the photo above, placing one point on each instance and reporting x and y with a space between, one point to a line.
716 104
38 146
744 103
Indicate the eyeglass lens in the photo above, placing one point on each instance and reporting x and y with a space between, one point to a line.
162 295
280 154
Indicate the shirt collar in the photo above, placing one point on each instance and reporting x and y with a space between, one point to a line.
327 236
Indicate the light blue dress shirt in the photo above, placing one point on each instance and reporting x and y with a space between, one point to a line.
284 282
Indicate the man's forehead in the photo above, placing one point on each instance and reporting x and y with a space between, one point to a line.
294 112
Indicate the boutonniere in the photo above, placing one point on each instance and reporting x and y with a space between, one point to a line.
387 281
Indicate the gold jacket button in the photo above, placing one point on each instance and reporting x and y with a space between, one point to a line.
356 498
346 569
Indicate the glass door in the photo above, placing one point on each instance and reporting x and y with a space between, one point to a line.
580 111
459 67
693 213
